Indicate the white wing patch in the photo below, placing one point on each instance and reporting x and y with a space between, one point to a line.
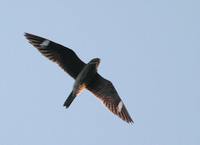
119 106
45 43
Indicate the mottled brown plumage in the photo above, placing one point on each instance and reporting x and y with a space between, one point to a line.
75 67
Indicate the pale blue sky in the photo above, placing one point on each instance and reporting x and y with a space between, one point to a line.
149 49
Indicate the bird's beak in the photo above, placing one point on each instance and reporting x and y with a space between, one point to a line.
97 63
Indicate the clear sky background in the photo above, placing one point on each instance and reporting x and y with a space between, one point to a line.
150 50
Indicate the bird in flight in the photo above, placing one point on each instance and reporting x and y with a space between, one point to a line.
85 75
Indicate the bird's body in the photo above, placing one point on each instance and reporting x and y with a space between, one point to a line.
85 75
83 80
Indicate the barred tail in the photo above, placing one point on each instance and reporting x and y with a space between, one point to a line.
69 100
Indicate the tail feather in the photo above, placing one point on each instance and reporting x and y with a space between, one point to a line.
69 100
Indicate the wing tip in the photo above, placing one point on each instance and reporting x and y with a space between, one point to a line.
128 120
36 40
131 122
124 115
27 35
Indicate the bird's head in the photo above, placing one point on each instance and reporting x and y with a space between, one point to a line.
95 61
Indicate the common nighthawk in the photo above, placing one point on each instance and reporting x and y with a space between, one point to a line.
85 75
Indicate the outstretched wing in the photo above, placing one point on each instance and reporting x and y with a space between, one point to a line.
63 56
105 91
